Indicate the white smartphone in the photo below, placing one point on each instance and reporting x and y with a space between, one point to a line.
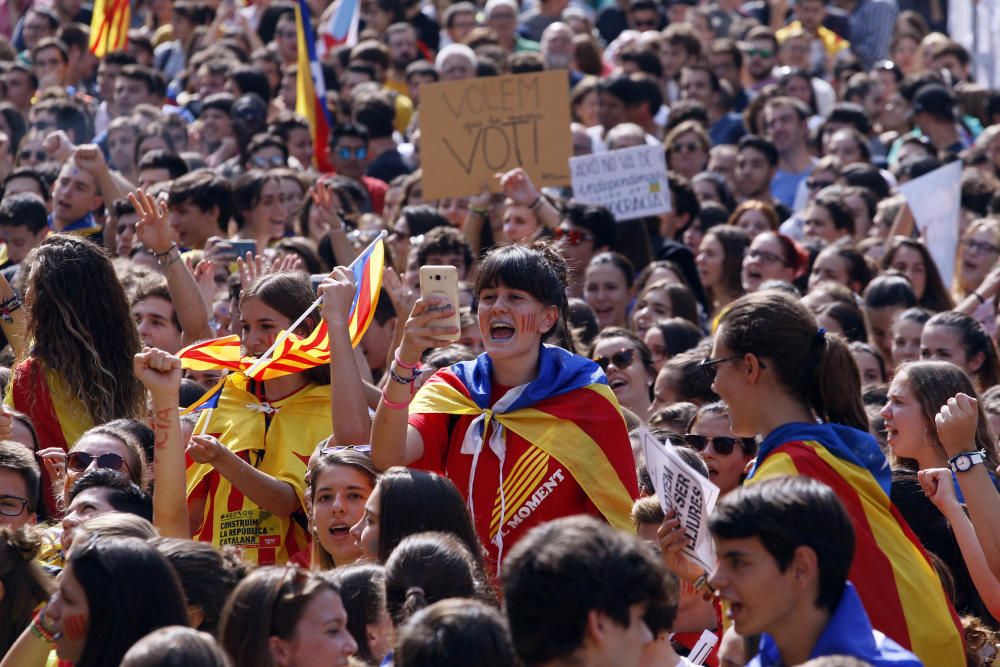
442 282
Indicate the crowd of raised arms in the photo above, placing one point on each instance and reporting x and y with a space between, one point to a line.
421 481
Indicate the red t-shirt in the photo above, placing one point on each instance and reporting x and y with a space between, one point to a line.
537 487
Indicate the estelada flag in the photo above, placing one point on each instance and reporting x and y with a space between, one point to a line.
109 26
559 445
296 353
901 592
342 27
310 90
277 438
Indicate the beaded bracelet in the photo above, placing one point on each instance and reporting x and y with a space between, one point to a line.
8 306
399 379
39 630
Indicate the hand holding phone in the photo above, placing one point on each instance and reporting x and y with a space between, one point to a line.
440 283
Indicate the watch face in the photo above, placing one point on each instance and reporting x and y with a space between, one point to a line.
963 463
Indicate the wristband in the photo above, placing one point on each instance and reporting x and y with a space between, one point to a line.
165 252
38 628
167 258
535 203
481 212
402 364
979 296
8 306
702 586
399 379
393 405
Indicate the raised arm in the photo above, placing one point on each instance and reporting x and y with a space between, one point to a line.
348 406
956 427
517 185
153 231
394 442
160 373
937 484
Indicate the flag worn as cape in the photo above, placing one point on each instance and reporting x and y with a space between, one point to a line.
297 354
109 26
277 438
310 90
567 414
59 417
900 590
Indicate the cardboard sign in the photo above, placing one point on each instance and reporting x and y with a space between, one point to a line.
935 199
473 129
629 182
680 487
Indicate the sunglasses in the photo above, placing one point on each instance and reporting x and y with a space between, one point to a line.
980 246
361 449
571 236
41 156
621 360
709 366
814 184
688 147
262 162
346 153
43 125
723 445
763 53
80 461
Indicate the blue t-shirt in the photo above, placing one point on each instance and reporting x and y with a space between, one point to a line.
785 184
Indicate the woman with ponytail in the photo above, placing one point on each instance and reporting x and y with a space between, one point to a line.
798 388
522 422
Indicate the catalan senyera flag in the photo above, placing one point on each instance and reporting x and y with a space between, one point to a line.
310 91
59 417
109 26
296 353
275 437
559 445
901 592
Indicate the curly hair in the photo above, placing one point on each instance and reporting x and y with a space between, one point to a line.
80 324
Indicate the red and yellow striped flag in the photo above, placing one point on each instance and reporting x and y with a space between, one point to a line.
901 592
109 26
296 354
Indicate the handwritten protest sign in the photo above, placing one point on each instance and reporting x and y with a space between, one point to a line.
935 199
472 129
629 182
680 487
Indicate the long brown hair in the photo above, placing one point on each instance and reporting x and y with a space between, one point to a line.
936 297
932 383
290 293
818 367
24 582
81 326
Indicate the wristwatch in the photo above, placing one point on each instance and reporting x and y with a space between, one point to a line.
963 462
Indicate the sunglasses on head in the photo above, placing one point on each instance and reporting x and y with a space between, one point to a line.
80 461
621 360
572 236
361 449
723 445
814 184
345 153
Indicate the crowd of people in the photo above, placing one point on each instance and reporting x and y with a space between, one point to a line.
464 482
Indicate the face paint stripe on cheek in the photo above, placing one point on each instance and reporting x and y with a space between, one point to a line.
75 626
529 323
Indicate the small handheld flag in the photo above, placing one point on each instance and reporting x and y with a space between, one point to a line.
310 91
291 353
